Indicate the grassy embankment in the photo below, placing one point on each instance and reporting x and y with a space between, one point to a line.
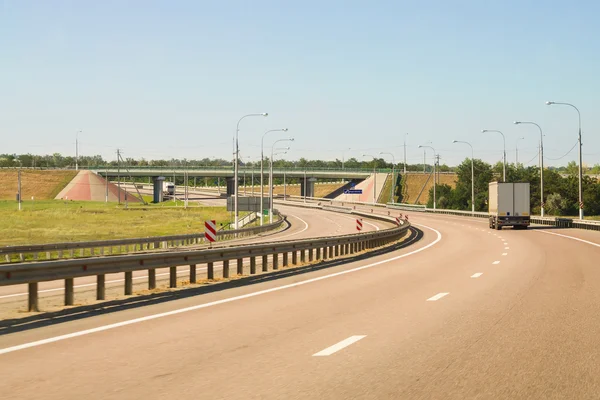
65 221
414 183
42 185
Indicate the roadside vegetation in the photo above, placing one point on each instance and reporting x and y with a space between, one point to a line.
68 221
561 193
42 185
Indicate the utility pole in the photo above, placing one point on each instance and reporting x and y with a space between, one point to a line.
19 187
77 150
405 153
437 164
424 161
106 179
119 174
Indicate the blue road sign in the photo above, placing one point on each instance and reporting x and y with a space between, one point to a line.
352 184
353 191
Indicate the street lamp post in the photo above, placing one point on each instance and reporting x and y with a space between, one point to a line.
434 197
262 157
580 155
271 177
374 176
393 175
542 205
472 174
503 153
235 168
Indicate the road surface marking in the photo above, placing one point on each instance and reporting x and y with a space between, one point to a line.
477 275
218 302
339 346
437 296
507 248
292 234
570 237
504 254
496 262
505 243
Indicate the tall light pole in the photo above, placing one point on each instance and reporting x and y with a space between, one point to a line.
271 177
542 205
580 155
374 176
393 181
434 197
517 150
235 168
262 157
77 150
405 153
503 153
343 155
472 174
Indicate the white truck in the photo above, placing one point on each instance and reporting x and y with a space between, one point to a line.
509 205
168 188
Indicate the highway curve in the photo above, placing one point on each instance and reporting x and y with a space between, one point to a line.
303 223
464 312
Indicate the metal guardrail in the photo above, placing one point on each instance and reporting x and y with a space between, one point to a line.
11 254
562 222
313 249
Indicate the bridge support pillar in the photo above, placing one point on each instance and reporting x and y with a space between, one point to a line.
157 193
307 185
230 187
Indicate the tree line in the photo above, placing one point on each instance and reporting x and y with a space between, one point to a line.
561 192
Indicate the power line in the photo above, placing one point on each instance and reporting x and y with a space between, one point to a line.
555 159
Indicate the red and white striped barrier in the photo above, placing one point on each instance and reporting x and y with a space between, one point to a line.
210 231
359 225
398 220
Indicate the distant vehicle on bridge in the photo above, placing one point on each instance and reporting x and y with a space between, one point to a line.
509 205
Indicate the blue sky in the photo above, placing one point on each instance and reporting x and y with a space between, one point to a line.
163 79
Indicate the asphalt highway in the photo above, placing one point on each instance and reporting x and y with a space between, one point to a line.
463 312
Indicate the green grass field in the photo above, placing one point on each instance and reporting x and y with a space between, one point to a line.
67 221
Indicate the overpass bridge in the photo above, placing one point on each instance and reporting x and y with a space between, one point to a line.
227 172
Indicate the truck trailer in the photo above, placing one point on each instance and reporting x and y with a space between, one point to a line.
509 205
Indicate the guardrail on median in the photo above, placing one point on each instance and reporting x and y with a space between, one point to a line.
10 254
562 222
308 249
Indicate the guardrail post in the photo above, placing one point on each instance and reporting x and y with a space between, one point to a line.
210 271
225 268
128 283
192 273
310 255
265 265
275 261
151 279
331 251
240 266
32 300
294 257
69 292
303 256
71 253
100 288
318 255
60 255
172 277
252 265
337 250
47 256
352 248
285 259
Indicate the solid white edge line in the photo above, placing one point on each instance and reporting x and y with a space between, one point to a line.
217 302
339 346
496 262
434 298
477 275
504 254
570 237
296 233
